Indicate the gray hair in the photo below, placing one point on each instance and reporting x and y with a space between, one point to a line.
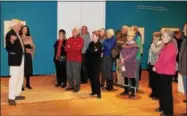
14 22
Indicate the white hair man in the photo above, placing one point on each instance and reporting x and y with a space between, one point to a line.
73 48
86 36
15 49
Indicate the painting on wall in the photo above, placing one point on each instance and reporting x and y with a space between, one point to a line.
7 28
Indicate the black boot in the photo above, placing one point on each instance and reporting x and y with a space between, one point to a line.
23 89
126 91
107 84
132 93
110 85
28 83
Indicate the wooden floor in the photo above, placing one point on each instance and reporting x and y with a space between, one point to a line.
47 100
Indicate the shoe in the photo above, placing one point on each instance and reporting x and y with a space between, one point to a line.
99 96
84 82
57 85
175 80
126 91
69 89
92 93
155 98
23 89
29 87
185 100
158 110
20 98
132 93
101 85
11 102
63 86
76 90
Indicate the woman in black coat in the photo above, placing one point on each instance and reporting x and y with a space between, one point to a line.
60 59
94 59
29 53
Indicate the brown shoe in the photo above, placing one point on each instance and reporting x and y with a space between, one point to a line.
11 102
20 98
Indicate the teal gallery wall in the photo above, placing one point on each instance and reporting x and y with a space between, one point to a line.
128 13
41 17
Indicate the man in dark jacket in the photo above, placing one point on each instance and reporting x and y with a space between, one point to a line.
15 49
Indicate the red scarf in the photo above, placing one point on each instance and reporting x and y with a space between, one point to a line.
60 42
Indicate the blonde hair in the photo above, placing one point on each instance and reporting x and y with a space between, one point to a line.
131 32
14 22
125 27
76 30
134 28
169 33
110 32
157 34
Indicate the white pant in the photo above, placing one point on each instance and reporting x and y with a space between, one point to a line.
16 80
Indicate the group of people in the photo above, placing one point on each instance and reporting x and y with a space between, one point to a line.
82 57
167 57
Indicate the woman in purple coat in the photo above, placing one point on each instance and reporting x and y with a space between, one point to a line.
128 61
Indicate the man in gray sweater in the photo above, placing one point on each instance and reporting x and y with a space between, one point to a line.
86 36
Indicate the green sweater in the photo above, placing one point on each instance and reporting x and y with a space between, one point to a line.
139 43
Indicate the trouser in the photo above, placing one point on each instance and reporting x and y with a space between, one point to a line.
84 70
165 94
27 80
154 79
61 72
107 67
176 76
102 72
94 79
108 71
73 74
130 83
138 63
16 80
185 84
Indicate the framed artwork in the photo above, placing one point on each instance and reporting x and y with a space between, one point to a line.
7 28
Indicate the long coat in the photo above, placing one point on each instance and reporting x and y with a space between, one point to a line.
183 58
128 53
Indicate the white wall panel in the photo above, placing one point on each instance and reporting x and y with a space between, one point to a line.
93 15
69 16
76 14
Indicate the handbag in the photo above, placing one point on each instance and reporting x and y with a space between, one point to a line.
114 53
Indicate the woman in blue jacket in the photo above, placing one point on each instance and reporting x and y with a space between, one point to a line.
108 44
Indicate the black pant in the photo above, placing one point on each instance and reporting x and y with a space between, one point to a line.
130 82
94 79
165 94
84 70
153 79
61 72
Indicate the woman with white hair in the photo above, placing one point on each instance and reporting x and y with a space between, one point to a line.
108 45
165 67
16 50
128 61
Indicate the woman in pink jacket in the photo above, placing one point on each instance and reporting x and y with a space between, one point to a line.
165 66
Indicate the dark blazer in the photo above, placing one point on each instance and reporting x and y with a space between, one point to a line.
63 52
93 53
183 57
15 50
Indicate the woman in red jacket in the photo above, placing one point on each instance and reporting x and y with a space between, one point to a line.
165 66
